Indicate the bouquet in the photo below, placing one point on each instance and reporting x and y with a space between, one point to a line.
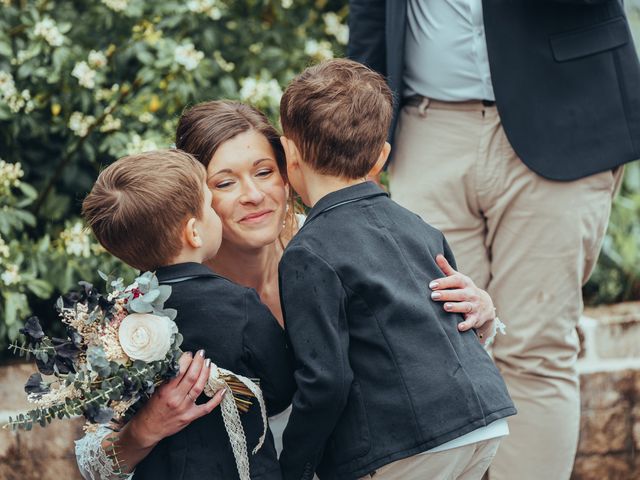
118 349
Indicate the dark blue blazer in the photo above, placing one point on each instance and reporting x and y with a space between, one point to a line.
238 333
382 371
565 75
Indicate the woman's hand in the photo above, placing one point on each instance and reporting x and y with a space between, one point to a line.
463 296
172 406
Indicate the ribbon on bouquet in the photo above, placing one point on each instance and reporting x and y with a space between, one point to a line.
218 379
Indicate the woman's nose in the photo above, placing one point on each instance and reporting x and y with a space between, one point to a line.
251 193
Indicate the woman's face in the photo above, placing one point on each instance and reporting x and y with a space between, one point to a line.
249 194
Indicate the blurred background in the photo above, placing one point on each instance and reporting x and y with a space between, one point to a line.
85 82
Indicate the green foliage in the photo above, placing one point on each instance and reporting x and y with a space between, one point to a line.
83 84
617 275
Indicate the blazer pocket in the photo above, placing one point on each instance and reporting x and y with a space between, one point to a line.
590 40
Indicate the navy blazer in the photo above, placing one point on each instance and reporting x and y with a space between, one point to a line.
565 74
382 371
240 334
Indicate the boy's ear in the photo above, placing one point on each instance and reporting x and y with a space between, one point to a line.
191 235
382 159
291 152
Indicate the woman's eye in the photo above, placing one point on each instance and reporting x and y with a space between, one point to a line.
223 184
264 173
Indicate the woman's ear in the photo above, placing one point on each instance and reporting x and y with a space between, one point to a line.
382 160
191 235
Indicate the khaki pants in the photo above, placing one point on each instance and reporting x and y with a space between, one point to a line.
462 463
531 242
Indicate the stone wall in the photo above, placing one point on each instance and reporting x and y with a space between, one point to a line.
610 425
609 447
43 453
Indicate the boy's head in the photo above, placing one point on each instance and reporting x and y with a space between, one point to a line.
337 114
153 208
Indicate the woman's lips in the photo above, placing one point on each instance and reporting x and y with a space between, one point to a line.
256 217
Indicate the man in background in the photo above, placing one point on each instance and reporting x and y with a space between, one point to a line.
512 122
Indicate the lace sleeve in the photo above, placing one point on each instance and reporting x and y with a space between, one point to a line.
93 461
497 327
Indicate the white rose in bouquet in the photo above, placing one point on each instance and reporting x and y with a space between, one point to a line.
146 337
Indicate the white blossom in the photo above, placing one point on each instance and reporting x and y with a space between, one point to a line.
320 50
7 86
11 275
80 123
139 145
10 95
10 175
97 59
76 240
211 8
145 117
110 124
4 248
287 3
259 90
116 5
187 56
333 26
85 74
47 29
224 65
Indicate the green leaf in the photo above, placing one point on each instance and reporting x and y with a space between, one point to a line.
40 288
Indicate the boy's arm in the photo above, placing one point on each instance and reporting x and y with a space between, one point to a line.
313 302
268 355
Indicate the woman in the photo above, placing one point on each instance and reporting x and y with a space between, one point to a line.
246 173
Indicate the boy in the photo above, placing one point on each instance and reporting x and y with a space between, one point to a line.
153 211
382 373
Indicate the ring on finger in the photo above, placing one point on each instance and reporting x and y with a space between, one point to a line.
190 397
469 308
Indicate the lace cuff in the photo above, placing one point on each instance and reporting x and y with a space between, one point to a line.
498 326
93 461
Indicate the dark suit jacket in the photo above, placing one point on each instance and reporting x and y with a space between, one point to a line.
565 75
382 371
238 333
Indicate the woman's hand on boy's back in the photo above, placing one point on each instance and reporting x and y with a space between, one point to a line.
462 295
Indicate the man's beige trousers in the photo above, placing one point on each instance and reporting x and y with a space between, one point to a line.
531 242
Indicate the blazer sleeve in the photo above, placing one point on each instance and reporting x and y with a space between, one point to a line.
267 354
314 305
367 41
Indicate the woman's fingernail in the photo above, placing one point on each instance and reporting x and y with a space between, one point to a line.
224 392
201 353
436 295
433 285
448 306
207 362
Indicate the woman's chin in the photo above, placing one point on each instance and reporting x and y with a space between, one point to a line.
255 236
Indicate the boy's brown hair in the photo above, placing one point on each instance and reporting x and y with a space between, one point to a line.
338 114
139 205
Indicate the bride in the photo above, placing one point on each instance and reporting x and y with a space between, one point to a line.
246 173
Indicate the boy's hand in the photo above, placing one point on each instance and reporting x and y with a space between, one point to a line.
463 296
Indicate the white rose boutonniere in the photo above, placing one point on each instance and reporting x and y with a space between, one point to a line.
146 337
